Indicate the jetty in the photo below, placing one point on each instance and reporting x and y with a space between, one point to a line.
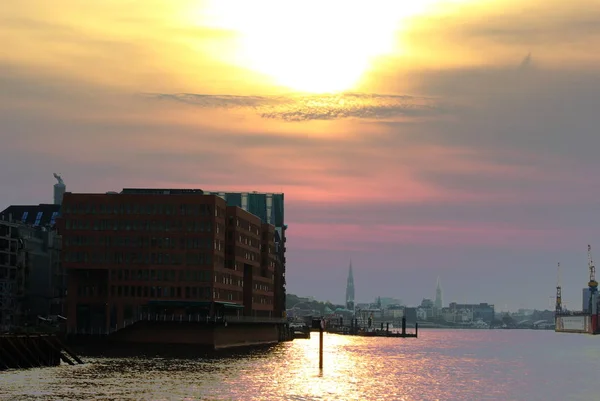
22 351
383 331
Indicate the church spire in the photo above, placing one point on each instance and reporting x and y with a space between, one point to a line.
350 289
438 295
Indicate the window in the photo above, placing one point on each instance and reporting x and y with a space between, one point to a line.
38 218
53 218
24 217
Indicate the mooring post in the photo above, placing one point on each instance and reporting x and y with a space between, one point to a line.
403 326
416 329
387 327
321 327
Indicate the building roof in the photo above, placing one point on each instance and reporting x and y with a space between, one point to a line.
35 215
162 191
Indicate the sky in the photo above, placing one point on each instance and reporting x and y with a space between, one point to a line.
456 139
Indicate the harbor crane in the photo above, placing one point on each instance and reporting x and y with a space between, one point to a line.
592 284
558 307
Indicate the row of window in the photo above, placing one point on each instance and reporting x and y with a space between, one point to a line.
158 258
181 275
160 275
262 299
142 242
142 225
244 225
137 209
155 292
263 287
144 258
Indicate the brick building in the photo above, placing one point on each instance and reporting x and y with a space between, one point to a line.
269 207
161 251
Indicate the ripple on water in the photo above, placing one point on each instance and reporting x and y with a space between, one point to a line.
440 365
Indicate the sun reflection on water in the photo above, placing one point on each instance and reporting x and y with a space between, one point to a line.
441 365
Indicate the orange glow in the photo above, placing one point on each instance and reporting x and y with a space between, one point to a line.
312 46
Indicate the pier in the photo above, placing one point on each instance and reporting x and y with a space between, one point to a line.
21 351
383 331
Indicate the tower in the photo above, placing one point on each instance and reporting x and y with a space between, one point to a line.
350 289
59 189
438 295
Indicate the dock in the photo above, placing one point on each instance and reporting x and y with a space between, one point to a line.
22 351
384 331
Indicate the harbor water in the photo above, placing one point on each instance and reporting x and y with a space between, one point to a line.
440 365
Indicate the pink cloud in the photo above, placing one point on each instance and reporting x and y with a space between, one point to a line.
349 236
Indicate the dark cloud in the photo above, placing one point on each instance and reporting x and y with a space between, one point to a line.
296 108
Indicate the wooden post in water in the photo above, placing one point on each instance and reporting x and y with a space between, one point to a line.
321 327
403 325
416 330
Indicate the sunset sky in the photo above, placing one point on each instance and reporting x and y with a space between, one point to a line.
450 138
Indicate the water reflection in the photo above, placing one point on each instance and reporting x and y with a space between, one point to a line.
441 365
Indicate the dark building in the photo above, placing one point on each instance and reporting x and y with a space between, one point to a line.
32 281
269 207
42 215
160 251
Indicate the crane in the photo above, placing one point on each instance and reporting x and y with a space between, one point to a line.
592 284
558 307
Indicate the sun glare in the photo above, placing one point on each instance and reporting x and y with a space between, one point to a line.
312 46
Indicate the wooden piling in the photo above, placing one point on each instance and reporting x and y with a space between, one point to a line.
321 347
27 351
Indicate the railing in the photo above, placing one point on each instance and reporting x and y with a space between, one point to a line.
156 317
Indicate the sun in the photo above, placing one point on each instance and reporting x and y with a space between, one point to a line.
312 46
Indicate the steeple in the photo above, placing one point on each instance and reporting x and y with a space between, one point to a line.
350 289
438 295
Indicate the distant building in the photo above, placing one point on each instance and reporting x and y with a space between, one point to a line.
482 311
59 189
585 299
164 251
438 304
426 309
426 303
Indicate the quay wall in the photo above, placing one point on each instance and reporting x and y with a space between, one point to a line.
189 333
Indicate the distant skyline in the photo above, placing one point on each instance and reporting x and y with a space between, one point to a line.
450 138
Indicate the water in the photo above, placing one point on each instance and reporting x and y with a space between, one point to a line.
440 365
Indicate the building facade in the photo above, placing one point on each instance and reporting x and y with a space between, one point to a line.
161 251
32 280
269 207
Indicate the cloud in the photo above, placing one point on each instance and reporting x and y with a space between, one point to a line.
298 108
486 170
